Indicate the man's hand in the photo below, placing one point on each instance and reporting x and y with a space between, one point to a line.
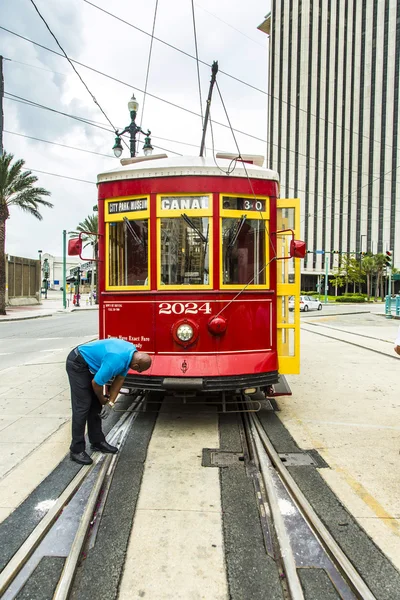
397 350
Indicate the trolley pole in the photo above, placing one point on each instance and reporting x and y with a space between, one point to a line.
65 269
326 279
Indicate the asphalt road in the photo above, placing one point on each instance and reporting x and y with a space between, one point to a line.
23 341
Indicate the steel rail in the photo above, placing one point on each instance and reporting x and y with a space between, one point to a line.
68 572
26 550
339 558
33 540
288 560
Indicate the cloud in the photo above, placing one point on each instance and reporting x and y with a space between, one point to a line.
107 45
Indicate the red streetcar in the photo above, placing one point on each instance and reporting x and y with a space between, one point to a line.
196 267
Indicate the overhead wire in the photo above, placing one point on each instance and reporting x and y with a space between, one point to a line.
265 223
127 84
244 133
280 100
58 144
21 100
197 63
148 65
16 98
275 98
171 46
62 176
71 63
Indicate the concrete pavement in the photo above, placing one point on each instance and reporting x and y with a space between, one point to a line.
49 306
346 405
35 406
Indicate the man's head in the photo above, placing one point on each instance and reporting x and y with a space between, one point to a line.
140 362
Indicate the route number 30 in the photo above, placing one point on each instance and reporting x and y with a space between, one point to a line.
178 308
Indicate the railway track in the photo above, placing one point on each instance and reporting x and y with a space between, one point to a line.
317 329
71 523
295 535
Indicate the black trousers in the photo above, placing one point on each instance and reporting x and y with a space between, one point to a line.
86 407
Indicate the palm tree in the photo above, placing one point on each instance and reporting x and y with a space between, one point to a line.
16 189
380 263
90 224
368 267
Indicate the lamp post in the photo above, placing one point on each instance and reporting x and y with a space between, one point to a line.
133 129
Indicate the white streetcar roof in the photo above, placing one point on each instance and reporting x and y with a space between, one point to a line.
164 166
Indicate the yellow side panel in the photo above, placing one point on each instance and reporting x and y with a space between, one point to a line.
288 285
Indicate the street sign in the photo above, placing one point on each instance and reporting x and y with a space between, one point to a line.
319 251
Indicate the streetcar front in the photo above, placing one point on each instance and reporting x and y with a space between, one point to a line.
188 272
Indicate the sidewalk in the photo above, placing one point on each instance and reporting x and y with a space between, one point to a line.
49 306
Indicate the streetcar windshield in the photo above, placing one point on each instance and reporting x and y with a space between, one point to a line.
243 251
128 253
184 250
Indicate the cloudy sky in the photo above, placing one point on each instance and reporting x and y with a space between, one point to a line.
226 31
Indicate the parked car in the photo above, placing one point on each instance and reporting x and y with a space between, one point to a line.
306 303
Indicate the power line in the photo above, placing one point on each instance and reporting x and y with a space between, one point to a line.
62 176
70 62
197 63
58 144
21 100
102 126
148 65
79 119
125 83
172 46
231 26
182 107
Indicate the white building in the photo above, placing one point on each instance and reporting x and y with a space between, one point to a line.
334 122
56 268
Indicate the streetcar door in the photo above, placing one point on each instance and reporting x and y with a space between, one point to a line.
288 287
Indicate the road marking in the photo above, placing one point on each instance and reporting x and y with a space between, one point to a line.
357 487
48 339
53 350
6 353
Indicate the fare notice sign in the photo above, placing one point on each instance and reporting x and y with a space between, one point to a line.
124 206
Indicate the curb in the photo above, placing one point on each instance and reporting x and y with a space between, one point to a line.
24 318
62 310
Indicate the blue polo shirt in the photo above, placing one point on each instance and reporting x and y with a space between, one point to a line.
108 358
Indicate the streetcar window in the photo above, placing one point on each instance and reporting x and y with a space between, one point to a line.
243 251
128 253
185 250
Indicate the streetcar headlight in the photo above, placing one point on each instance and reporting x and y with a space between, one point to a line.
184 332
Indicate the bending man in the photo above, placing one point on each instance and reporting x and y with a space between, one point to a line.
89 368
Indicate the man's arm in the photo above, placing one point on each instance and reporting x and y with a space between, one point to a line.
98 390
115 387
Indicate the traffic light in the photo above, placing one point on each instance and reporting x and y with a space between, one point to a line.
389 258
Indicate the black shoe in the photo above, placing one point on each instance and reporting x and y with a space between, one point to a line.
81 457
105 447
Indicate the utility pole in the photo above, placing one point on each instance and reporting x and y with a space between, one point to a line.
1 105
64 269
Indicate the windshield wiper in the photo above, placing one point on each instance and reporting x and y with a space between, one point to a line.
133 232
189 221
239 226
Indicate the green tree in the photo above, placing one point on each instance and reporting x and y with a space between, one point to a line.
90 224
16 189
347 272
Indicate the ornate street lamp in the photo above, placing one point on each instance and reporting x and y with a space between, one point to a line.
132 129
